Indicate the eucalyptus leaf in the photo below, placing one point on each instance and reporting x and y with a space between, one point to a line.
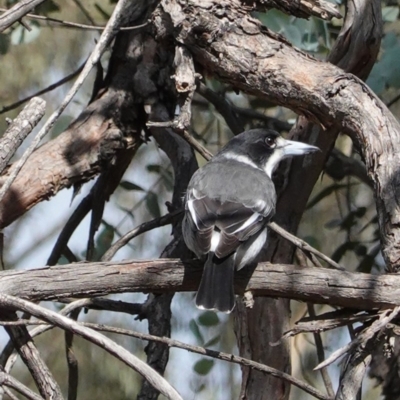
196 331
208 318
130 186
5 41
152 204
203 366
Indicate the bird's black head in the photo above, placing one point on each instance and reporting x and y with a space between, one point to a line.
263 148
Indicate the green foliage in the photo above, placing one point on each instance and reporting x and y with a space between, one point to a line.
152 204
386 72
104 239
208 318
203 366
327 191
5 42
49 6
130 186
311 35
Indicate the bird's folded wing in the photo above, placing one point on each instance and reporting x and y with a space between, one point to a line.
234 221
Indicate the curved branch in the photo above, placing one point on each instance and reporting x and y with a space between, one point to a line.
214 354
100 340
254 60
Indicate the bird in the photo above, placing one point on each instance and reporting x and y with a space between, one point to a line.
228 203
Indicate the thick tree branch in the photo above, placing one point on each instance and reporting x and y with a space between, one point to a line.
117 18
316 285
90 142
272 69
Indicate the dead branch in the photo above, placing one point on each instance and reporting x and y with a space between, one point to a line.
100 340
8 380
330 320
324 286
214 354
117 18
320 91
363 337
19 129
26 348
16 12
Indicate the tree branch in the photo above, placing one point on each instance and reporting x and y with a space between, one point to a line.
8 380
107 35
100 340
19 129
363 337
43 91
301 8
214 354
23 343
325 286
16 12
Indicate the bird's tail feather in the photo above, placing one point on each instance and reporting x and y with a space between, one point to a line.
216 290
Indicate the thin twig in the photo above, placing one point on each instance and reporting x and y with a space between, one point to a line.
104 40
177 344
8 380
23 343
73 222
69 24
9 393
72 362
145 227
100 340
16 12
197 146
84 11
223 106
394 100
42 91
9 361
103 304
303 245
214 354
321 355
363 337
328 321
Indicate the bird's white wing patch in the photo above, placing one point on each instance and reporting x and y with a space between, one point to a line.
216 236
254 217
249 250
192 212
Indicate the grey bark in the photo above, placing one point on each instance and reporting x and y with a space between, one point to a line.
17 12
250 59
325 286
19 129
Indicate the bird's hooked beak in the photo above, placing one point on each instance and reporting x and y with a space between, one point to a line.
292 148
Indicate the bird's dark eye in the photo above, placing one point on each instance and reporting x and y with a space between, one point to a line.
270 141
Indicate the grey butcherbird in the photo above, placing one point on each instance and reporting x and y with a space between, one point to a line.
227 205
